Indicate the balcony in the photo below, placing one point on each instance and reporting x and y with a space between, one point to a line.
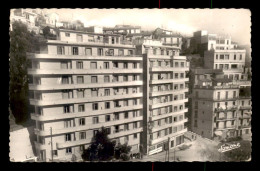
225 127
167 68
245 107
156 117
216 87
158 128
225 118
88 126
165 92
165 138
83 100
162 104
83 114
79 86
73 143
40 146
244 126
123 132
81 71
231 108
42 55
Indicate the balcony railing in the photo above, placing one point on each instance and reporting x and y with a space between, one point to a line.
217 87
231 108
245 107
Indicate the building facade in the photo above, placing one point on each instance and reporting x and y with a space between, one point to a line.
164 96
79 83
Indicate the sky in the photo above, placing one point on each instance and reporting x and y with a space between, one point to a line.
233 22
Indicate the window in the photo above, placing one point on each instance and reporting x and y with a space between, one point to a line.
182 64
75 50
135 102
68 150
79 65
115 64
94 92
116 104
80 93
216 56
175 119
135 125
67 123
135 77
82 121
79 38
95 120
221 57
88 51
121 52
108 130
125 102
107 105
125 78
130 52
106 79
226 57
82 135
176 75
93 65
60 50
154 51
67 137
176 64
81 108
107 118
240 58
242 103
80 79
135 135
218 95
67 109
107 92
106 65
95 106
235 57
116 116
234 94
172 143
158 134
134 113
67 34
55 153
135 65
125 65
226 94
100 52
126 115
182 75
65 80
126 127
64 65
94 79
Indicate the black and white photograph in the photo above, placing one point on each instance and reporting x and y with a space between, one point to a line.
130 85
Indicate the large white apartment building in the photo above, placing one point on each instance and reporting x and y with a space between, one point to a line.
85 80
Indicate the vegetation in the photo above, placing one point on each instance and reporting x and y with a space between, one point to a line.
21 41
242 153
103 149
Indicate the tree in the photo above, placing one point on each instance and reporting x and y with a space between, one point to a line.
100 149
122 151
21 41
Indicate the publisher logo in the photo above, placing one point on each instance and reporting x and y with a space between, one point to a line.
227 147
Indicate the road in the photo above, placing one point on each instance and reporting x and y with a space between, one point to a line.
200 150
